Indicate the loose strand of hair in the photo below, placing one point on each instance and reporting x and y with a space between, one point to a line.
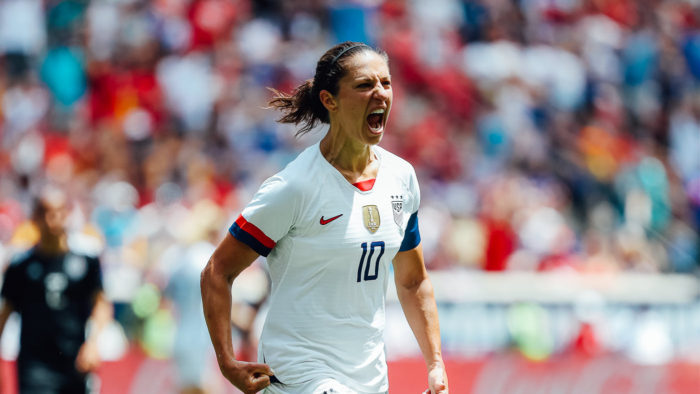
296 107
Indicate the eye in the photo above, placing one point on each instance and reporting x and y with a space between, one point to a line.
364 85
386 83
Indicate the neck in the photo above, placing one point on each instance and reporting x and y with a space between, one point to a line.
53 245
352 159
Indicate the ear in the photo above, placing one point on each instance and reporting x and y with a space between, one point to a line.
328 101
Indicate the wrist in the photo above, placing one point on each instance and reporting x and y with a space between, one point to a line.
91 340
435 363
228 362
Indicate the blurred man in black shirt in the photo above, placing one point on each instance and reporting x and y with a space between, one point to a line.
55 290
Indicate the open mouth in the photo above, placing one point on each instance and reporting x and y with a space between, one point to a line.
375 120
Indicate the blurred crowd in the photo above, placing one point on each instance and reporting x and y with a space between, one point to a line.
546 134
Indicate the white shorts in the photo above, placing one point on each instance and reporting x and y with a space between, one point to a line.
325 386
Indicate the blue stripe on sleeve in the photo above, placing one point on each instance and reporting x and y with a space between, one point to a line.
248 239
411 238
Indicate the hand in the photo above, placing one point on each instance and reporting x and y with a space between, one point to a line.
247 377
88 357
437 381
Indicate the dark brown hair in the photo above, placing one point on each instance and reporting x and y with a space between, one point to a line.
304 104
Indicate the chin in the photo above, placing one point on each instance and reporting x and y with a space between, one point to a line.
375 139
372 137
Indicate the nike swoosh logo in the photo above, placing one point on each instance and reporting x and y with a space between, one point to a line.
326 221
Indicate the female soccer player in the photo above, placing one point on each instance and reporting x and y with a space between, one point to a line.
329 223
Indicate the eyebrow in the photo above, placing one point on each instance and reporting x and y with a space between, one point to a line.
369 78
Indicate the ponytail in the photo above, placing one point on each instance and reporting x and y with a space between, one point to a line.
299 107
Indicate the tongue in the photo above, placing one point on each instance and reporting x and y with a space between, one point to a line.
375 121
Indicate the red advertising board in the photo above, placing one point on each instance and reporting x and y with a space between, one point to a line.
498 374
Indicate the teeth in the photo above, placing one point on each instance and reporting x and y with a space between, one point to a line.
378 111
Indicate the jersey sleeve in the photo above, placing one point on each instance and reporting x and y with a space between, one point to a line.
268 217
94 275
411 237
414 191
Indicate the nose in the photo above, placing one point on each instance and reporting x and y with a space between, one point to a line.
382 92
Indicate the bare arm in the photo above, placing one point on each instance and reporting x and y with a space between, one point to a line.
5 311
88 356
229 259
415 292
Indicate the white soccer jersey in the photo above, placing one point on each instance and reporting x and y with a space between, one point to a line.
330 245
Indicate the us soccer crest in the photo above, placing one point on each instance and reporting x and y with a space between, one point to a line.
370 214
397 209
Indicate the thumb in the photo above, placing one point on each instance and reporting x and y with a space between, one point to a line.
440 387
261 368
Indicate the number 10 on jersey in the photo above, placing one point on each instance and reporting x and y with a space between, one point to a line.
372 247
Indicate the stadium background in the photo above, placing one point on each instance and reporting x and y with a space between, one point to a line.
557 143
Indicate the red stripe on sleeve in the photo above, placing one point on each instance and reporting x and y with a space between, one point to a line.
255 232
